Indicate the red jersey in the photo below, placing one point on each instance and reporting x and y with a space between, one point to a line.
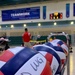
26 37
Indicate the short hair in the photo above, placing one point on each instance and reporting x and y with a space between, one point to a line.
26 29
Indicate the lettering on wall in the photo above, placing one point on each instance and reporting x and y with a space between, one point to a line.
21 14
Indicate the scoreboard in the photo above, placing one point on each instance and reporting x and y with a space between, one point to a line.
56 15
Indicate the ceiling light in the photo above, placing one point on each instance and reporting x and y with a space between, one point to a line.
0 27
24 25
39 24
72 22
12 26
55 23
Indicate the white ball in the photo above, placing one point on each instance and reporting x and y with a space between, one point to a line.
23 61
51 56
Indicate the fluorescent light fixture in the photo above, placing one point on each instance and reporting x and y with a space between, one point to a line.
12 26
0 27
72 23
24 25
39 24
55 23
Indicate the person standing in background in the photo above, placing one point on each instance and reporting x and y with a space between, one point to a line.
26 38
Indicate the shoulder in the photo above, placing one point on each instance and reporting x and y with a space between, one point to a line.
29 33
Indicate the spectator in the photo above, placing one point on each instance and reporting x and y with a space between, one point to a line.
26 38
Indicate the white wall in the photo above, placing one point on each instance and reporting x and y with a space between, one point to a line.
51 7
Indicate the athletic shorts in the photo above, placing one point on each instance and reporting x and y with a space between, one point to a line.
27 44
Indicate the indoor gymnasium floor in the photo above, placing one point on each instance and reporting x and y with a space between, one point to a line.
72 62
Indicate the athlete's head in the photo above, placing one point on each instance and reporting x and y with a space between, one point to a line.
26 29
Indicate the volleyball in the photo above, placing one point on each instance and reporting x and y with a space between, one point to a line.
61 54
59 51
23 61
51 56
60 43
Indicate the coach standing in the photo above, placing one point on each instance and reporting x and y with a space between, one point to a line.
26 38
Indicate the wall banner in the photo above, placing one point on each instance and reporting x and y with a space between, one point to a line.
21 14
68 10
73 9
44 12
